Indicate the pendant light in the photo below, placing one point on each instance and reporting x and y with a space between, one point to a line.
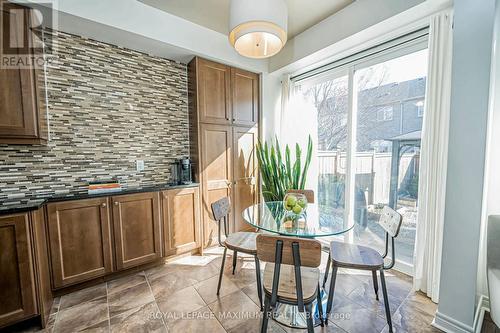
258 28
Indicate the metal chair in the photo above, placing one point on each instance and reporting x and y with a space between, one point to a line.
243 242
308 193
365 258
294 277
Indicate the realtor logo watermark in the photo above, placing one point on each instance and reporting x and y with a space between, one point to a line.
22 39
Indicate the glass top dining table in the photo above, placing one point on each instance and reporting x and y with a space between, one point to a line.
317 220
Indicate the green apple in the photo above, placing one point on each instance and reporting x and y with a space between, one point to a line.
287 207
291 201
302 203
297 209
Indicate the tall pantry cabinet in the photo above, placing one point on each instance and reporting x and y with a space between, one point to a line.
224 118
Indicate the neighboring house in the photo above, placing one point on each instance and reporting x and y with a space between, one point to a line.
384 112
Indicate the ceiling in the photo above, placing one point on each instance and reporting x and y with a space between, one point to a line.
214 14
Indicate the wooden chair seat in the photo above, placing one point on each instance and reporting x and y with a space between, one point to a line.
242 242
355 256
287 290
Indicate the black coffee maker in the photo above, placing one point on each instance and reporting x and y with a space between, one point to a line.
184 171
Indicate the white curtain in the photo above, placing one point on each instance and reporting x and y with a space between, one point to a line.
298 121
434 154
286 89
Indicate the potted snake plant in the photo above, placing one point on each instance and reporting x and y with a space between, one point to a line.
279 173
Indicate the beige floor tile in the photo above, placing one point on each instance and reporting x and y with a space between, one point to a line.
354 318
125 282
82 296
208 288
144 318
80 316
251 291
254 326
421 302
234 309
165 285
129 298
180 303
412 319
202 320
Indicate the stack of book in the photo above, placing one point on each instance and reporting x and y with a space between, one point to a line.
104 186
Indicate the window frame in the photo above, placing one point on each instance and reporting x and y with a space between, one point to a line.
349 68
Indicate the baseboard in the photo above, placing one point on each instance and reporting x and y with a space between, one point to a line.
482 305
450 325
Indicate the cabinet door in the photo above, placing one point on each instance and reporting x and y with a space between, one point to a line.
17 292
245 97
136 220
216 174
18 104
214 92
80 242
181 220
245 173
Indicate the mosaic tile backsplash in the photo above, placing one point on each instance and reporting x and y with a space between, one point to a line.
108 107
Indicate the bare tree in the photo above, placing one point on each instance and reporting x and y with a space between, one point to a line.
331 101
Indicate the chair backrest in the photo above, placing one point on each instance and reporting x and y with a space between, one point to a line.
221 209
308 193
390 221
298 252
309 250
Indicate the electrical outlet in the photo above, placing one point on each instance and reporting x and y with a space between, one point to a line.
139 164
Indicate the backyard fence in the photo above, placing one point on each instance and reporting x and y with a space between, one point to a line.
373 172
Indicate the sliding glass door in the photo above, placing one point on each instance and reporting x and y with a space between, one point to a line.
370 115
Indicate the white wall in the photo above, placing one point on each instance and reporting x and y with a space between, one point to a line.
271 105
472 42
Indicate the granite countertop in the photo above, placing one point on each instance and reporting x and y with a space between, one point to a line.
26 204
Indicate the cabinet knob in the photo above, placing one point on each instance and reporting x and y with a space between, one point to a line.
103 205
116 203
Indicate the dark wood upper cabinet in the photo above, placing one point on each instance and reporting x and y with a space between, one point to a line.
214 97
21 119
245 97
17 292
80 241
181 220
136 222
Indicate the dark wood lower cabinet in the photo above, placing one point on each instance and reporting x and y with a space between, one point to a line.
136 222
17 292
58 247
80 241
25 289
181 220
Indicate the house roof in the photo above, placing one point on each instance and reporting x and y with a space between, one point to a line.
411 136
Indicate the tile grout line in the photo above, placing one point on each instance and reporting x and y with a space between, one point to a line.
156 303
399 306
208 306
57 314
107 307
